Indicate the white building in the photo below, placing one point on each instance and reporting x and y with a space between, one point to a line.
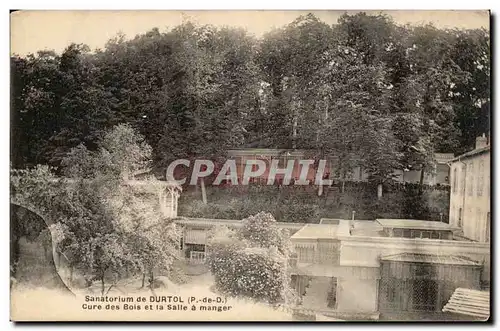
470 192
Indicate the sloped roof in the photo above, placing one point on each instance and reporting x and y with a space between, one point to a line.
431 258
469 302
443 157
472 153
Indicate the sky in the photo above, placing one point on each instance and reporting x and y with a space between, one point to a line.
32 31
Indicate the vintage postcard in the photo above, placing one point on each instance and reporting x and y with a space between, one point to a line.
250 166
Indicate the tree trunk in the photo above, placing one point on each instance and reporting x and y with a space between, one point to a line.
203 191
15 254
422 173
143 279
379 191
102 285
151 281
295 123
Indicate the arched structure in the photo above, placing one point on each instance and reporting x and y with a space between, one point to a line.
34 259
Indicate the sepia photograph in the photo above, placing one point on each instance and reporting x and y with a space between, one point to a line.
260 165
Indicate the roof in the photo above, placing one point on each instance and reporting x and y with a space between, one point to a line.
207 222
146 183
443 157
317 231
196 237
474 152
431 258
288 225
367 229
469 302
329 221
265 152
415 224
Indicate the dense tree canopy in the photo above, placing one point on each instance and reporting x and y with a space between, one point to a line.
367 91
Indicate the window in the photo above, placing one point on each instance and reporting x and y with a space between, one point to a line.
452 213
406 233
391 293
479 221
361 170
471 176
480 178
462 179
415 234
487 234
426 234
424 295
455 180
305 255
434 235
460 217
397 233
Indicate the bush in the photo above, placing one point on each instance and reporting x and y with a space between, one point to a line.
249 273
303 205
250 262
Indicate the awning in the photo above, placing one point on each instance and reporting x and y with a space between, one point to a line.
431 258
469 302
198 237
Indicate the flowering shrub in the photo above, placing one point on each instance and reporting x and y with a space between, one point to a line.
251 262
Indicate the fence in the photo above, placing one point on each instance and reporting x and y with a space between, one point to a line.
196 257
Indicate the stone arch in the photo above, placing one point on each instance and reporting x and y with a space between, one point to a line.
30 262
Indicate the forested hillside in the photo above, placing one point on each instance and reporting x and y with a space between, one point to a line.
365 90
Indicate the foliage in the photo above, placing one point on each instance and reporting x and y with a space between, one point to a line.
121 152
251 261
261 230
299 206
100 223
365 91
249 274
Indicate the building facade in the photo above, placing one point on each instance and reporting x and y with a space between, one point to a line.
470 192
364 269
371 268
438 176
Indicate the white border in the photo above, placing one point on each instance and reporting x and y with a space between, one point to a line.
186 5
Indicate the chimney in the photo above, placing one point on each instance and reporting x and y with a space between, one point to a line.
481 141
